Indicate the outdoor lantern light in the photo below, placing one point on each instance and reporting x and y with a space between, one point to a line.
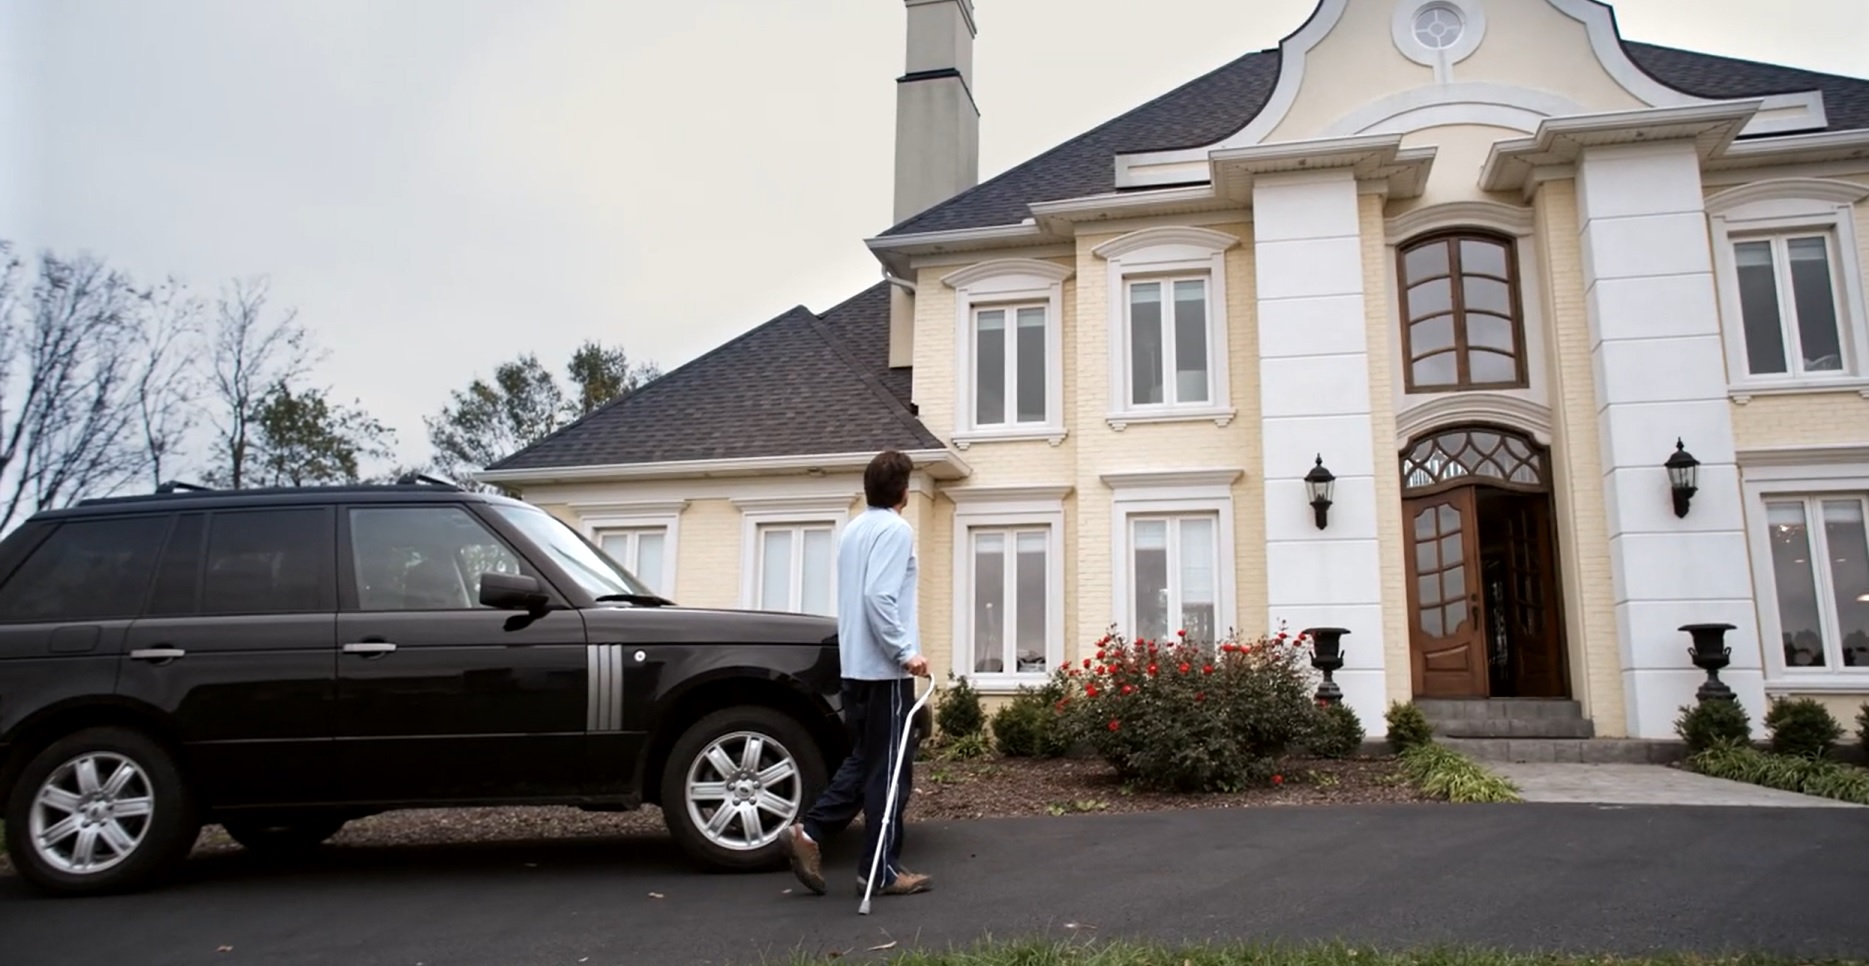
1327 656
1681 467
1320 482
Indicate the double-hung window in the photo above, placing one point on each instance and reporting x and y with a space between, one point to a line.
796 567
641 551
1790 304
1009 367
1168 326
1819 559
1008 584
1009 351
1170 342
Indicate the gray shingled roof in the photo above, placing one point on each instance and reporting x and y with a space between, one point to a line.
1223 101
801 384
834 391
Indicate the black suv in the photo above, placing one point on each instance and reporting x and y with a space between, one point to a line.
282 661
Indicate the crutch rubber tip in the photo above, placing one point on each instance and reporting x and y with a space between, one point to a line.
864 909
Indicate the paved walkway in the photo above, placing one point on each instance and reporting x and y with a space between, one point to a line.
1644 785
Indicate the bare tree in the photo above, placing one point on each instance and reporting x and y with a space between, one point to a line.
168 379
248 356
67 378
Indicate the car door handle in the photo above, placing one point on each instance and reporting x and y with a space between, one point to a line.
157 654
370 648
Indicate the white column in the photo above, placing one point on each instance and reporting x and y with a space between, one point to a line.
1660 374
1314 401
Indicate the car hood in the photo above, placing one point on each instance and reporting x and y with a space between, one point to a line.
701 625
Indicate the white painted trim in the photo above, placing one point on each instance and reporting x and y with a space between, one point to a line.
1469 407
1513 220
1791 206
1008 282
644 515
756 512
1173 492
939 463
952 259
1160 251
1753 462
1479 102
1712 126
1293 50
1715 176
1008 506
1788 482
1850 145
1402 31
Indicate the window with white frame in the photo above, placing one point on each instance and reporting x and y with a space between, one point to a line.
1008 583
1790 304
1790 283
1009 351
797 565
1819 562
1168 325
1174 565
641 551
1173 553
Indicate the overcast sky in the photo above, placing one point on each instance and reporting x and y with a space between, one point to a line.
437 185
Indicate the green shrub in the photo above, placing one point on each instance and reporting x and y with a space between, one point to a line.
1336 732
1809 776
1032 724
1802 727
1446 773
960 713
1713 724
1862 727
1182 717
1408 727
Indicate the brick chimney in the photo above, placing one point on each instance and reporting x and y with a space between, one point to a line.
937 131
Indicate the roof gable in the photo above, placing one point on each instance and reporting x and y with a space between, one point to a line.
801 384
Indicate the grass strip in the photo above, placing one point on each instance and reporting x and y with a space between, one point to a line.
1809 776
1445 773
1060 953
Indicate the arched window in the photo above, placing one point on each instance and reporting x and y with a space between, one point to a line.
1461 321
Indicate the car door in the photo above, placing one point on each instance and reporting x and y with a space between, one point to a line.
439 697
238 646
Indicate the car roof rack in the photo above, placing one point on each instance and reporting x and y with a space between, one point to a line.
174 485
413 479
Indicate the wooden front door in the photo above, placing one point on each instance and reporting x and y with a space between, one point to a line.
1536 649
1446 633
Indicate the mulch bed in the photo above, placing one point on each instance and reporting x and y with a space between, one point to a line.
944 791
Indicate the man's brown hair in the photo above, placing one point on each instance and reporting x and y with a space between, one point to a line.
886 480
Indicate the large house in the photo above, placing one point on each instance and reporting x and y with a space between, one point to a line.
1487 262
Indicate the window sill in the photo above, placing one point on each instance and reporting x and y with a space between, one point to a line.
1005 684
1051 434
1742 393
1841 681
1221 415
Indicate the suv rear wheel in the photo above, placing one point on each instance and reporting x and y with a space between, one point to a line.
103 810
734 781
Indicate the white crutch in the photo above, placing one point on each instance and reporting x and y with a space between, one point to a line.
889 806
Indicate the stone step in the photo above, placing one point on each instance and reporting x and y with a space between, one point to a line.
1513 728
1449 709
1589 751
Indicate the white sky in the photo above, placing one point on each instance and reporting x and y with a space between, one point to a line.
437 185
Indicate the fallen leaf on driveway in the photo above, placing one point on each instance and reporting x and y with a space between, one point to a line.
657 895
888 945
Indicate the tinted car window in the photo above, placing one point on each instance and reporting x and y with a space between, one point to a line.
86 570
269 562
423 558
178 575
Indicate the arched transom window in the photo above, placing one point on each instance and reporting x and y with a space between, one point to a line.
1461 327
1473 454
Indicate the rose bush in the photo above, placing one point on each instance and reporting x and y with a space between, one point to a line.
1180 716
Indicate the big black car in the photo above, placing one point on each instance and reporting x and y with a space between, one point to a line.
282 661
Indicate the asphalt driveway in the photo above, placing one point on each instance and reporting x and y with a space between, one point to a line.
1570 877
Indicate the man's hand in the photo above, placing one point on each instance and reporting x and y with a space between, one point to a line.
917 666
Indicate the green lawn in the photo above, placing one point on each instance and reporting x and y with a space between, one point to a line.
1126 954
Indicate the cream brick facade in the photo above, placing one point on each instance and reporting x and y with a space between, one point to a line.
1622 200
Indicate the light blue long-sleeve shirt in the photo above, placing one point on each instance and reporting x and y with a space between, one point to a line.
876 585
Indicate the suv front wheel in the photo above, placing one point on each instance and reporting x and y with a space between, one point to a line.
103 810
734 780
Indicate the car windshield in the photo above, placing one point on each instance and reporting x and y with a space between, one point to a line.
595 572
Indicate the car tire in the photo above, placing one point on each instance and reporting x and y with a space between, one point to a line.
144 817
282 836
690 768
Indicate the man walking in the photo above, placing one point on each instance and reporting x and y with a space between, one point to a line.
880 653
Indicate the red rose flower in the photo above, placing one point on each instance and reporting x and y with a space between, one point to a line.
1115 724
1151 670
1128 688
1090 690
1181 633
1278 779
1086 664
1184 667
1200 696
1209 669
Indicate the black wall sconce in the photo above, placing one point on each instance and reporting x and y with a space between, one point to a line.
1321 482
1681 469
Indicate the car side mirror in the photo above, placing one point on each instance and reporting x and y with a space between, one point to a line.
512 592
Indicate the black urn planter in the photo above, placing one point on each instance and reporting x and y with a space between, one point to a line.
1710 653
1327 656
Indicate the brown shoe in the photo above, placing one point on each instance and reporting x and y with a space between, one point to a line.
802 853
907 884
